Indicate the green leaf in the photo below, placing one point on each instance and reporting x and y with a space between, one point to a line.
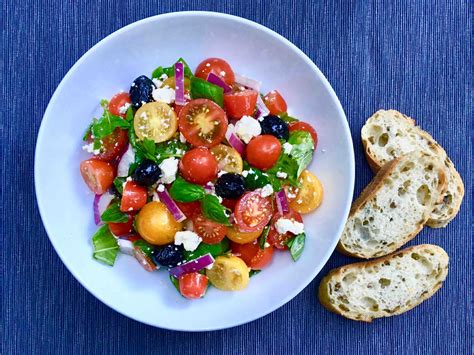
105 246
145 247
175 282
288 119
255 178
107 124
213 210
130 114
203 89
214 249
118 183
254 272
296 245
113 214
183 191
173 148
303 148
88 132
285 164
169 71
263 237
157 73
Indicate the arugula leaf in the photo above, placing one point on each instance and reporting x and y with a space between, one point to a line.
130 114
113 214
303 148
105 125
263 237
173 148
213 210
214 249
118 183
105 246
288 119
296 246
169 71
254 272
184 191
203 89
88 132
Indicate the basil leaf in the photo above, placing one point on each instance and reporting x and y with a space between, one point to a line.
175 282
255 178
303 148
288 165
173 148
296 246
105 246
157 73
113 214
288 119
254 272
88 132
129 115
214 249
184 191
263 237
118 183
203 89
213 210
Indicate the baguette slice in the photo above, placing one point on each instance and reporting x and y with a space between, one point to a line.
387 286
394 207
389 134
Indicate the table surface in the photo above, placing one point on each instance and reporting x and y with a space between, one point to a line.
413 56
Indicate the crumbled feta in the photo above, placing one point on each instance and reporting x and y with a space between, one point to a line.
166 95
287 148
89 148
155 197
222 73
209 267
245 173
266 245
246 128
285 225
281 175
267 190
124 108
291 195
190 240
160 188
169 168
220 173
157 82
182 138
125 246
163 77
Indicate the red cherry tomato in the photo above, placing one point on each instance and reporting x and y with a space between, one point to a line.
275 102
251 253
177 109
113 144
217 66
203 123
252 211
134 197
190 209
117 102
230 204
98 175
193 285
211 232
303 126
276 239
119 229
240 103
198 166
263 151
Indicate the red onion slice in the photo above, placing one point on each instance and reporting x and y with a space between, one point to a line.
234 141
282 202
209 187
262 109
192 266
127 159
179 83
216 80
247 82
165 197
101 202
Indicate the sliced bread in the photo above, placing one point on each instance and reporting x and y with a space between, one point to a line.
388 134
394 207
387 286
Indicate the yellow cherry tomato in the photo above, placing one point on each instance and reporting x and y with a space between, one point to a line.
156 121
228 158
242 237
229 273
171 83
156 225
309 196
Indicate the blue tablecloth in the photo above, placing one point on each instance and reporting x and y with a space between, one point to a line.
413 56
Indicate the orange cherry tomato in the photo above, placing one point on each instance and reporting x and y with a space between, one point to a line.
239 237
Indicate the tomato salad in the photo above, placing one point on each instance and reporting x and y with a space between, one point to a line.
199 174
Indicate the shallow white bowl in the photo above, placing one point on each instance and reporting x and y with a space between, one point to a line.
66 205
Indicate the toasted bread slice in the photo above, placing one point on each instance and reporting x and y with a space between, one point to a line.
394 207
389 134
387 286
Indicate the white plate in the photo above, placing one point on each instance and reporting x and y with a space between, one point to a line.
66 205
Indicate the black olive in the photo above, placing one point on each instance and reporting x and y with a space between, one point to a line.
275 126
230 186
140 91
169 255
147 173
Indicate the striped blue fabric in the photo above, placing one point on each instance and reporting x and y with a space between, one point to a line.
414 56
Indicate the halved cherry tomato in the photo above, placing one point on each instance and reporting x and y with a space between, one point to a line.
198 166
98 175
203 123
275 102
263 151
240 103
228 159
217 66
117 102
239 237
279 240
309 195
190 209
211 232
134 197
119 229
177 109
156 121
193 285
303 126
113 145
253 211
251 253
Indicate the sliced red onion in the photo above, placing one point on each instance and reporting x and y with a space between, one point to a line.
165 197
209 187
127 159
216 80
247 82
179 84
236 143
262 109
192 266
101 202
282 202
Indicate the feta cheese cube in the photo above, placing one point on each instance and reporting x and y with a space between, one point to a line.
169 168
166 95
281 175
285 225
188 239
267 190
247 128
287 147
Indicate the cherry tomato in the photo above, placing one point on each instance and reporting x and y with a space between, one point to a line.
156 224
190 209
217 66
113 145
98 175
228 158
156 121
134 197
276 239
119 229
198 166
309 195
117 102
303 126
263 151
230 204
275 102
211 232
177 109
251 253
240 103
242 237
203 123
253 211
193 285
